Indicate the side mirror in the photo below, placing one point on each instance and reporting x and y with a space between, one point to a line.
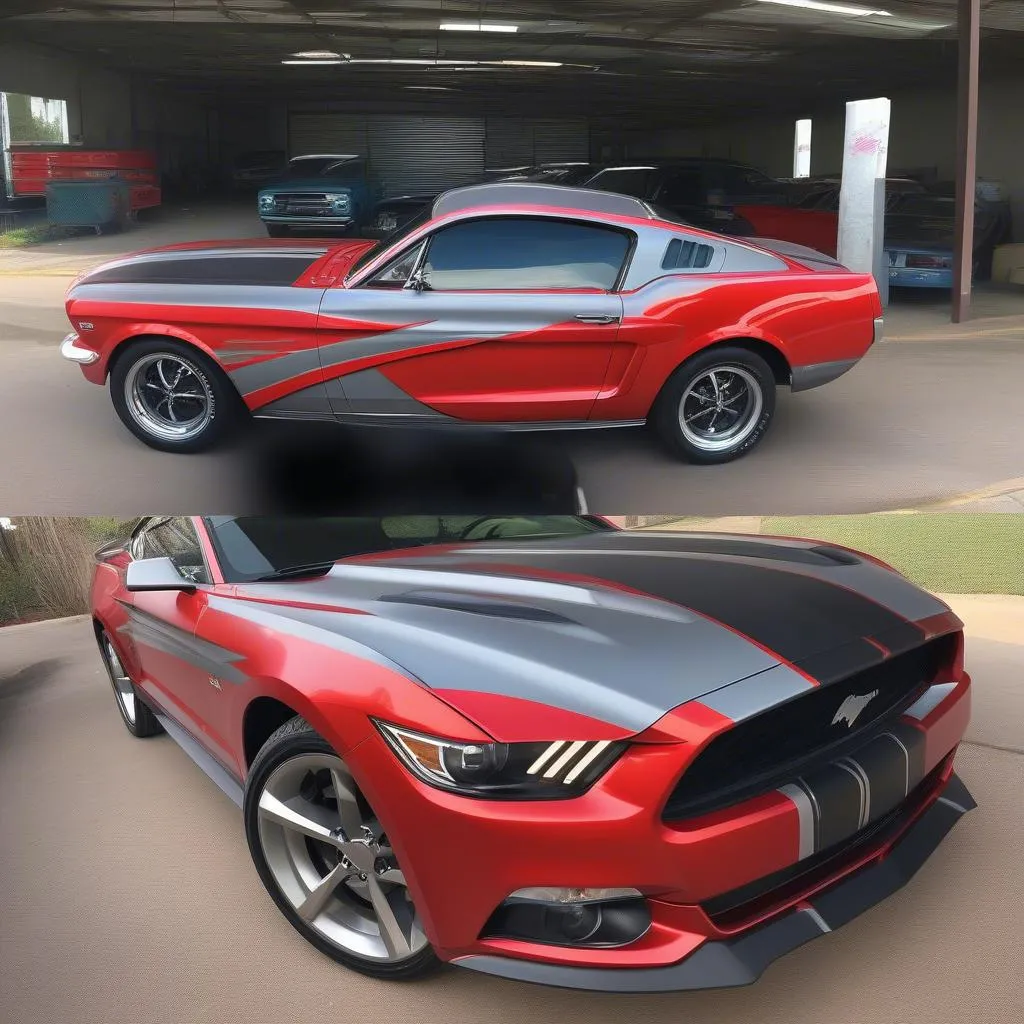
156 574
418 281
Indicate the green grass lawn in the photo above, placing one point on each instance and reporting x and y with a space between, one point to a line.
34 234
955 553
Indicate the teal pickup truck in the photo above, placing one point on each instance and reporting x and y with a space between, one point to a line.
325 192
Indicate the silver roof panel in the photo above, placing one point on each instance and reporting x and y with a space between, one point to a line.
584 200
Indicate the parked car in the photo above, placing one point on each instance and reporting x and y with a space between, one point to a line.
653 762
920 241
701 191
510 306
395 212
814 220
252 170
318 192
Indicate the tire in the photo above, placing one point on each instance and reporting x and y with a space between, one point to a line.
138 719
297 767
278 230
136 382
693 388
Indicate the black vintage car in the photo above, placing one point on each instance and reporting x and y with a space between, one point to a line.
396 211
699 190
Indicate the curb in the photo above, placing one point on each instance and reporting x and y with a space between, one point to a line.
43 622
997 490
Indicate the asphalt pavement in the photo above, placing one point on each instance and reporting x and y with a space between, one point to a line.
917 422
127 893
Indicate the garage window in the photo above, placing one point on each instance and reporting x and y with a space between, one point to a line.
525 253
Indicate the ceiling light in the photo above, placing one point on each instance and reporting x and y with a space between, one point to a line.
312 63
430 88
531 63
424 62
319 55
475 26
853 10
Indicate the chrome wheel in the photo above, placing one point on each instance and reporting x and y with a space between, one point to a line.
123 689
168 396
332 863
721 408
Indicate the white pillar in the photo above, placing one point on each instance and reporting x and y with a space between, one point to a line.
802 150
861 216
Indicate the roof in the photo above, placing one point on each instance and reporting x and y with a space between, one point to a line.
584 200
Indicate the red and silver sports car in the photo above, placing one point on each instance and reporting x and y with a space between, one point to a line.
521 306
544 748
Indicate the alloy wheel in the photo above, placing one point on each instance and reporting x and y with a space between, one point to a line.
168 396
721 408
123 689
332 862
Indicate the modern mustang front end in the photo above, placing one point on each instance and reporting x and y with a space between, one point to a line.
689 855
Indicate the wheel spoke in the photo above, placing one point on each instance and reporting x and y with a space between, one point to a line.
348 807
389 911
163 377
315 902
698 415
170 408
288 817
393 875
714 383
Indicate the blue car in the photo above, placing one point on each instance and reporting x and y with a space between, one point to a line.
919 241
325 193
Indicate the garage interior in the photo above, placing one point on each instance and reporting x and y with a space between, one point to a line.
434 92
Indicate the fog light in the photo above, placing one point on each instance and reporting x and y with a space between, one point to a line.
583 918
577 922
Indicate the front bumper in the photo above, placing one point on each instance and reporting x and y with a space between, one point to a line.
740 961
709 879
310 222
906 277
71 350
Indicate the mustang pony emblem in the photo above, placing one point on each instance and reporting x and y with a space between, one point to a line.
851 708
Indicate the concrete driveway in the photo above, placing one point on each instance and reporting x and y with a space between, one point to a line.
128 893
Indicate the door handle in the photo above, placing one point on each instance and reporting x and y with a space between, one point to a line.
585 318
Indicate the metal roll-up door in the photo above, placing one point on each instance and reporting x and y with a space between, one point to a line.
425 154
326 132
509 143
562 141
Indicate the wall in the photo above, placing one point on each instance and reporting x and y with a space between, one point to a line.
112 109
922 135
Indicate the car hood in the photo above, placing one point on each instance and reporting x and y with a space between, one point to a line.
313 185
620 627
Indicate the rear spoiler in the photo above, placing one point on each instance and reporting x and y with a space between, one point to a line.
810 258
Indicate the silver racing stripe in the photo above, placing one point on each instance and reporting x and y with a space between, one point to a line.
805 811
149 631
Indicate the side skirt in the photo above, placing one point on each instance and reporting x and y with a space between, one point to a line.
406 421
224 780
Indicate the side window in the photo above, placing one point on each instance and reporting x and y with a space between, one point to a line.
398 272
176 539
525 252
683 188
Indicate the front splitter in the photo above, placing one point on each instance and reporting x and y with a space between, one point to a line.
741 961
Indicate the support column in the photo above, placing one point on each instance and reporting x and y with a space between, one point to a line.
969 31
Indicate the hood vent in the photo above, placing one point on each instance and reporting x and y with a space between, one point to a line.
473 604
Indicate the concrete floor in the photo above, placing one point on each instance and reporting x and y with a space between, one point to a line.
128 894
929 415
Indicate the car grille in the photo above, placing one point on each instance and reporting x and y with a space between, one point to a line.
739 906
772 748
305 204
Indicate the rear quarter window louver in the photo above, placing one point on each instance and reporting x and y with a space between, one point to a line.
687 255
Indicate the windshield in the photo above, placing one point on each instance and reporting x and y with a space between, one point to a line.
629 181
254 547
310 167
926 206
396 236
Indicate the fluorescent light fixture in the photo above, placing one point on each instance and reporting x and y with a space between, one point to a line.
320 55
313 63
475 26
430 88
421 62
529 63
852 10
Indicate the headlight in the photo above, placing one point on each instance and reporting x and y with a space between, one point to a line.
337 200
266 201
513 771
